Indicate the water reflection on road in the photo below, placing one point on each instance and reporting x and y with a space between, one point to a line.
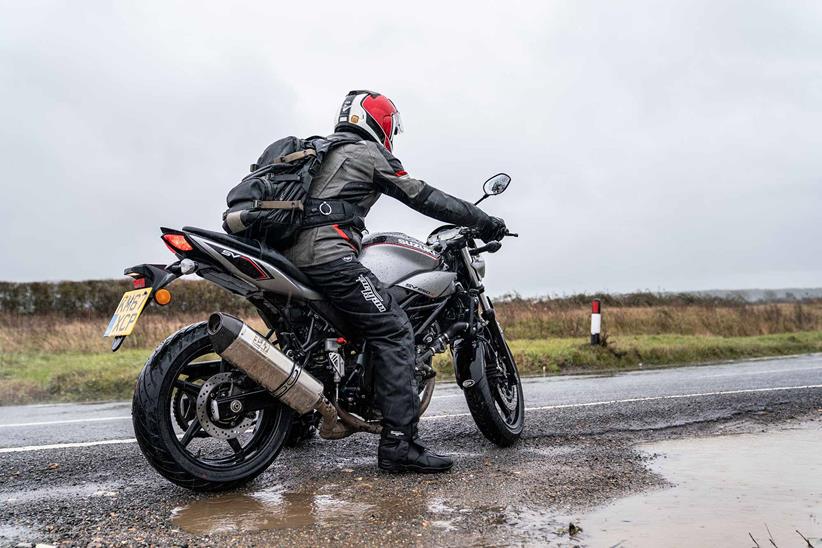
276 508
724 490
727 489
263 510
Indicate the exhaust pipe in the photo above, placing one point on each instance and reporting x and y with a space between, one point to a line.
288 382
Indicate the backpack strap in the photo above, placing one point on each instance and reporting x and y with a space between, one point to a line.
277 204
296 156
323 144
259 171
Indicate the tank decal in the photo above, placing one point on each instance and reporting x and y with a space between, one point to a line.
398 239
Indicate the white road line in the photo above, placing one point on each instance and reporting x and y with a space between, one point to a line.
127 417
648 398
66 421
766 372
64 445
455 415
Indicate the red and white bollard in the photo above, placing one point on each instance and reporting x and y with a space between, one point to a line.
596 322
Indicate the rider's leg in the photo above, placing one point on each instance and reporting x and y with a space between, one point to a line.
355 291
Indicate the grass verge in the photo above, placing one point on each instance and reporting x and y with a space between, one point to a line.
28 377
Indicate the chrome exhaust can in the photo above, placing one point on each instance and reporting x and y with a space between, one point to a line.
250 351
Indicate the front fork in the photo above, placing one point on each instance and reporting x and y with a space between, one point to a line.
469 356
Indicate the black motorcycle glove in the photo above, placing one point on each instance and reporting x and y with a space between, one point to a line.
493 229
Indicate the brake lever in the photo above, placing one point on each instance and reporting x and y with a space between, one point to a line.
491 247
512 234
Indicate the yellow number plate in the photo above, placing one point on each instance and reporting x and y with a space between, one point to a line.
129 309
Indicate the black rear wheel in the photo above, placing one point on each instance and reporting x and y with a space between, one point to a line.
496 402
175 424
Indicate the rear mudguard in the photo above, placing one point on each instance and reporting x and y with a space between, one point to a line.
157 275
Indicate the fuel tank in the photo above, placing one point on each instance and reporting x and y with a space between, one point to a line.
400 260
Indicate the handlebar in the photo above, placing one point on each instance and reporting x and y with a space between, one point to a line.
474 233
490 247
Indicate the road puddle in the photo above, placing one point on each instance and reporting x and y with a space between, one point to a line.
727 489
276 508
264 510
527 525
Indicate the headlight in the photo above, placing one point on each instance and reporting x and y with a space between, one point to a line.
479 265
443 235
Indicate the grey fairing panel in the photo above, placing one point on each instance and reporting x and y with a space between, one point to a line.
277 282
431 284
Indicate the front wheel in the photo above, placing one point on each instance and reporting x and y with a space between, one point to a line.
175 422
495 401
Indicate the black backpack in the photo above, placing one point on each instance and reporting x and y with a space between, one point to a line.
272 204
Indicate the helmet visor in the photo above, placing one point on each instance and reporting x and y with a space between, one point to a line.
397 123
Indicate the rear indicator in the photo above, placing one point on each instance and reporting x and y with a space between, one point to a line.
177 242
162 297
139 283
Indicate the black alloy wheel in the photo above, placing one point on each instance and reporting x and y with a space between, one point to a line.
176 427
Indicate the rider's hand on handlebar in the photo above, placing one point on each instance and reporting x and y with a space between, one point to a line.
493 230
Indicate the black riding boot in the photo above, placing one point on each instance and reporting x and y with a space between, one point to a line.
400 452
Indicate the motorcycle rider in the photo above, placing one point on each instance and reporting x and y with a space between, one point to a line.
358 173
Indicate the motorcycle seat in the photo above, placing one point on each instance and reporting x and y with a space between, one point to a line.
256 249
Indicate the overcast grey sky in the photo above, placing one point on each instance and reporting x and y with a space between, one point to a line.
653 145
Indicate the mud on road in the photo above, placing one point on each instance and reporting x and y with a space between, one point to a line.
570 461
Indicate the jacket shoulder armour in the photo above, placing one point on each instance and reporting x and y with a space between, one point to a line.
384 160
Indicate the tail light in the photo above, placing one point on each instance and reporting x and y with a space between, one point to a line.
138 283
177 243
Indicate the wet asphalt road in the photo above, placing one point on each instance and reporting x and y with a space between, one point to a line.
72 474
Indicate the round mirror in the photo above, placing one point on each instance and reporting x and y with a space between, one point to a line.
496 184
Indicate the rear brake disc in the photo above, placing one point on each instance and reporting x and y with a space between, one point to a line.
224 429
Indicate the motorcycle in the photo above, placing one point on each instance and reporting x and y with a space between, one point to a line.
217 401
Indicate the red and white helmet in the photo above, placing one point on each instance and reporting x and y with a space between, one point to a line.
370 114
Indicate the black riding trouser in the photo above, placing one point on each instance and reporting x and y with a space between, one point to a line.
370 309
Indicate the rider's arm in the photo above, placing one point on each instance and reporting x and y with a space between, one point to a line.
393 180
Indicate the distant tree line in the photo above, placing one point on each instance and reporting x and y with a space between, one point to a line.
644 299
100 297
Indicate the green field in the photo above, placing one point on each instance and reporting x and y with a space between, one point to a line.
29 376
51 348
